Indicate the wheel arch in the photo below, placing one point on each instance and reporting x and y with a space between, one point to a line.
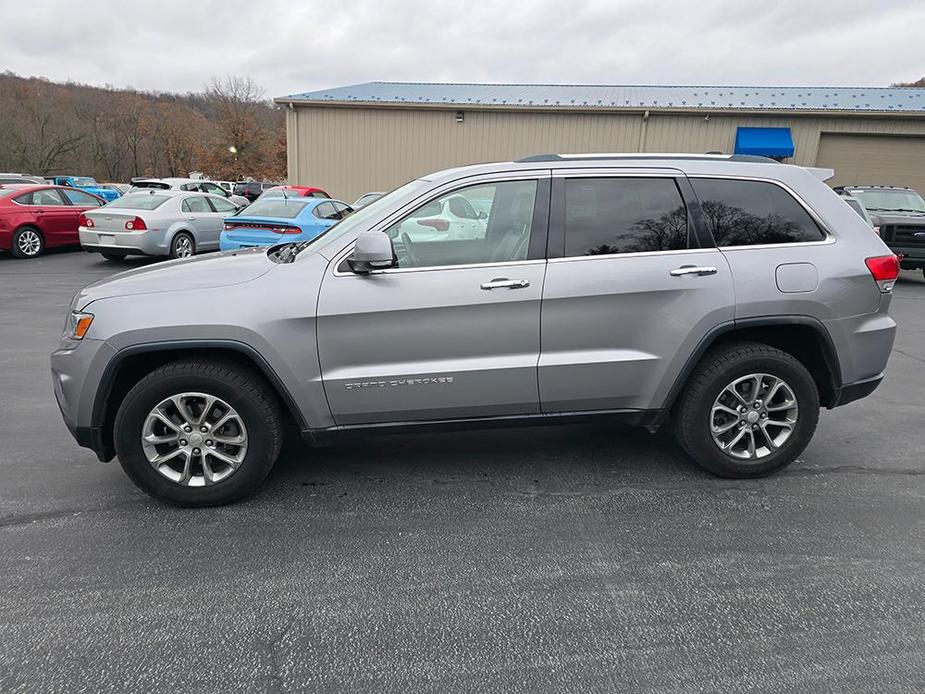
803 337
131 364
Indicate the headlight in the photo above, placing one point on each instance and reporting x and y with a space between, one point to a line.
77 325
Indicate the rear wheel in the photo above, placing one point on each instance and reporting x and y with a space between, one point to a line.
198 432
27 242
182 245
748 410
113 255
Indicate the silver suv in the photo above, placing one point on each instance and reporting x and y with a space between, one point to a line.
728 296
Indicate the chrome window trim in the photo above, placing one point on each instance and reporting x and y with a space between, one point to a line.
430 268
639 254
428 197
830 237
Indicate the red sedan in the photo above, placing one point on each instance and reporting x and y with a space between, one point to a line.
294 192
34 217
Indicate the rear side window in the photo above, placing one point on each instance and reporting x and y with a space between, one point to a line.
197 204
623 215
749 213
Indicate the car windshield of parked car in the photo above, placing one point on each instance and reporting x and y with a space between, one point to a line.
138 201
84 181
887 200
279 193
284 208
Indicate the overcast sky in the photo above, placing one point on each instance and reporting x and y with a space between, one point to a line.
178 45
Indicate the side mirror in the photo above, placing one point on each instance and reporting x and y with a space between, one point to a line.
373 251
482 214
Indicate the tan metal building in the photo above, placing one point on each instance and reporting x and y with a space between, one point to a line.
375 136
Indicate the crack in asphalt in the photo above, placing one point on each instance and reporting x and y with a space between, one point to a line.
30 518
855 469
911 356
274 683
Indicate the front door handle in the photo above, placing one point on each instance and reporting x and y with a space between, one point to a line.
505 283
692 270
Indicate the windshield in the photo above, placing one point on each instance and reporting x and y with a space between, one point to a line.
279 193
284 208
84 181
138 201
889 200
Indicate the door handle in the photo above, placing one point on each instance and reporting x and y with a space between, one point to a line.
504 283
692 270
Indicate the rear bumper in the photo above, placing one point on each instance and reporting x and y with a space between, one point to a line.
857 390
134 243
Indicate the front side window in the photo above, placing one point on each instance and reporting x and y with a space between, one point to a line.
750 213
197 204
222 205
325 210
615 215
78 197
435 234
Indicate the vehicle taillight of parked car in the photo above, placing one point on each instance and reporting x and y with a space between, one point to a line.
438 224
136 224
885 270
84 221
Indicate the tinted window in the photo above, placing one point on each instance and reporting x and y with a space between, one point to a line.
151 184
46 197
325 210
138 201
78 197
222 205
429 236
196 204
747 213
623 215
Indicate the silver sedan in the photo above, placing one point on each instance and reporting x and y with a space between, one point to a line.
170 223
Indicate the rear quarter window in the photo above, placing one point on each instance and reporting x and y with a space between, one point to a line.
751 213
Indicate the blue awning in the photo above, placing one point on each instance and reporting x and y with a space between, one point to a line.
764 142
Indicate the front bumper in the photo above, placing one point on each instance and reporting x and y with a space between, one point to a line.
77 369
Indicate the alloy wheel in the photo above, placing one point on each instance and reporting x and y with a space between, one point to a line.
194 439
754 416
183 247
29 242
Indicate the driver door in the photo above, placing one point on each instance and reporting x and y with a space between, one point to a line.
453 331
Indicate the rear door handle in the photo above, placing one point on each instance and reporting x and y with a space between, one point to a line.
692 270
505 283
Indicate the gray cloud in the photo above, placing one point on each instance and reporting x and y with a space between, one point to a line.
290 47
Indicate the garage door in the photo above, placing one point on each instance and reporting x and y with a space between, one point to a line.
874 159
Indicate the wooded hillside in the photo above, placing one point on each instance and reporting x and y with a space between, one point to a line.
113 134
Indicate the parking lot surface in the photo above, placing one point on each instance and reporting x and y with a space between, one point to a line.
589 558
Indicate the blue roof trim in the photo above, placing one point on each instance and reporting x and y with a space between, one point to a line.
764 142
591 97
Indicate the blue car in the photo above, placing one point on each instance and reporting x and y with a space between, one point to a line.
87 183
269 221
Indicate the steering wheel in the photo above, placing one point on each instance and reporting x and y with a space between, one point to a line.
408 246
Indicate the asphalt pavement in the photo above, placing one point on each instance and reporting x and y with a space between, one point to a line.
567 559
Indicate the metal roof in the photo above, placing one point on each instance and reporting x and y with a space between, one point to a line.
609 97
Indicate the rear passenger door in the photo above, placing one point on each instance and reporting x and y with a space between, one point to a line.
631 289
206 224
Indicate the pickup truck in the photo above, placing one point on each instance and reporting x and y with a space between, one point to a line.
87 183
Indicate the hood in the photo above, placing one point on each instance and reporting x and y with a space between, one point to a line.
198 272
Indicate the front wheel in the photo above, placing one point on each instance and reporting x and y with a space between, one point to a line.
182 246
748 410
198 433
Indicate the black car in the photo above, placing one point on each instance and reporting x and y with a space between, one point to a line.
899 214
252 189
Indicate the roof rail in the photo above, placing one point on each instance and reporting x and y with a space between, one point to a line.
536 158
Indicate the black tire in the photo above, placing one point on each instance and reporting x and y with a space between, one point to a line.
720 367
20 252
242 389
113 255
176 245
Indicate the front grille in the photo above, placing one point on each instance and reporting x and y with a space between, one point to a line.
908 235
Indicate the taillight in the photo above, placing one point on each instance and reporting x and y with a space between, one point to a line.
885 270
136 224
263 227
436 223
84 221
